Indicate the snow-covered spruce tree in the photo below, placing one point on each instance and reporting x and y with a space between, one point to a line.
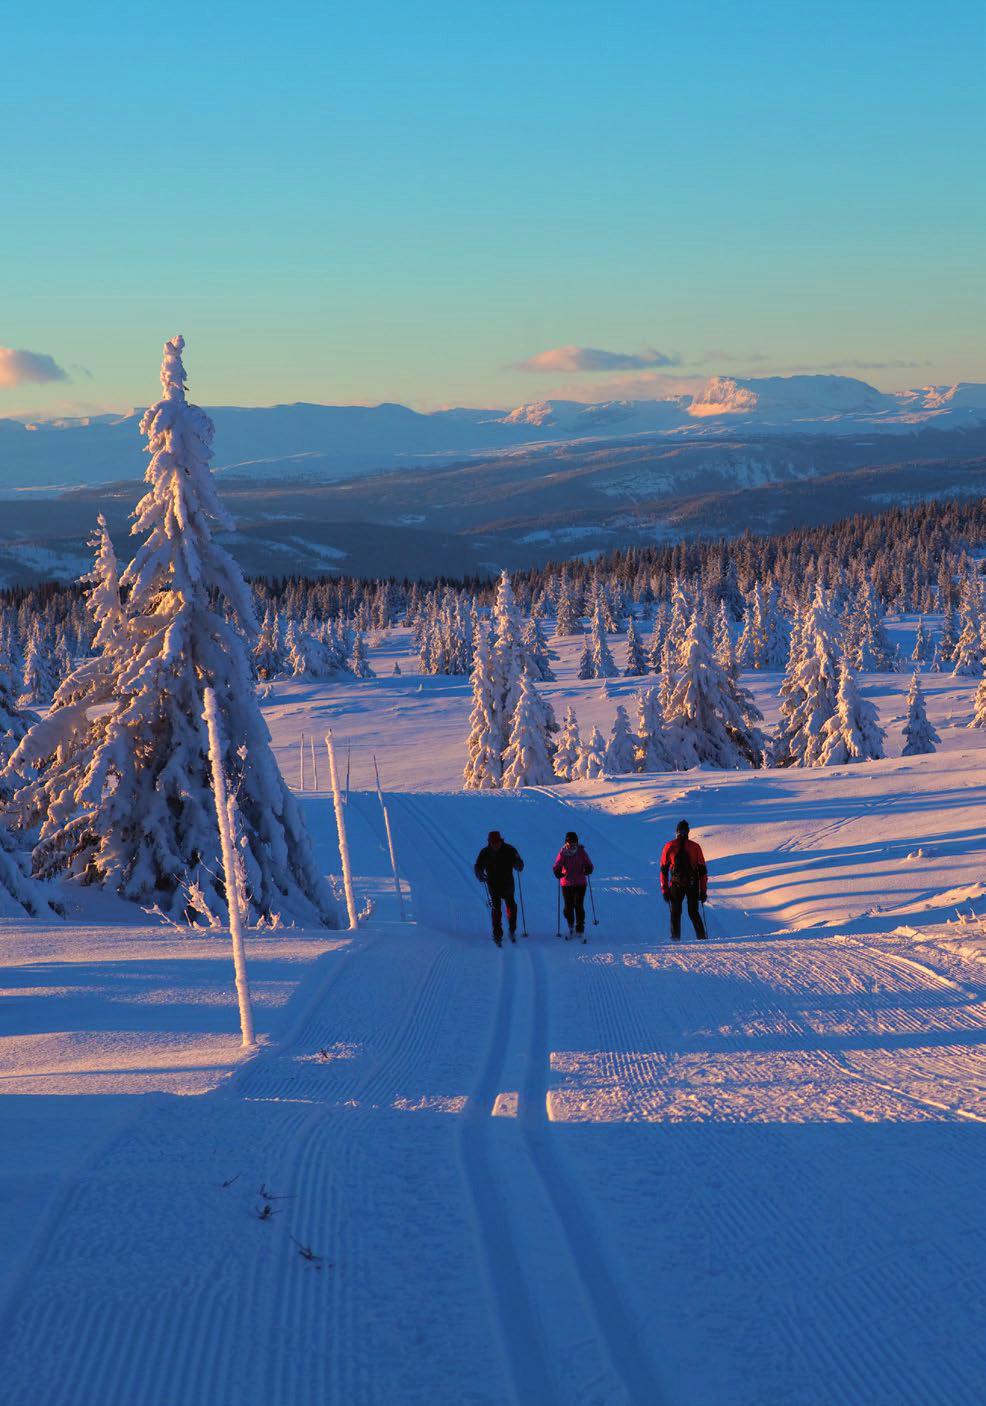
360 664
603 666
568 619
52 757
969 648
306 657
655 645
920 736
636 658
536 651
620 753
144 821
484 747
569 746
592 758
852 733
811 682
527 760
585 659
19 893
679 620
867 645
14 722
722 642
651 749
924 645
40 669
710 718
268 656
776 633
749 646
508 654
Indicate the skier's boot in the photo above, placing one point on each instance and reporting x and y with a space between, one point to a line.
513 934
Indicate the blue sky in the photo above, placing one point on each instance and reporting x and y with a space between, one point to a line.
411 201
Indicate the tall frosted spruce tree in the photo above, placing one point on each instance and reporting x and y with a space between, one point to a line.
143 819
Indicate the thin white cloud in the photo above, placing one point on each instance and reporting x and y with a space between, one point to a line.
578 359
21 368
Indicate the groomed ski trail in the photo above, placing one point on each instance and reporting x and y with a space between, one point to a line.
562 1316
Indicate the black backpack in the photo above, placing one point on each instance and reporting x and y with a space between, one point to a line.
682 873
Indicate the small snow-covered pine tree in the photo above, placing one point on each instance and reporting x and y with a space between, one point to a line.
536 651
923 644
968 658
603 665
569 613
852 733
651 750
620 751
508 653
360 664
569 745
811 682
710 718
484 747
920 736
722 642
592 758
636 658
40 669
527 760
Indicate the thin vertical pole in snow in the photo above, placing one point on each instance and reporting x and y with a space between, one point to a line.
311 742
224 817
301 758
349 763
347 872
390 841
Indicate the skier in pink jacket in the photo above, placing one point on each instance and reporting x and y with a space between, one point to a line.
572 869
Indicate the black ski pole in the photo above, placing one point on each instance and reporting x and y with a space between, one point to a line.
523 910
592 900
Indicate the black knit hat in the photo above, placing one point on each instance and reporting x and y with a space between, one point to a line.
682 827
571 838
493 835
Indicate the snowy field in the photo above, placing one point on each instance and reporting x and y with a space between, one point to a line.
749 1172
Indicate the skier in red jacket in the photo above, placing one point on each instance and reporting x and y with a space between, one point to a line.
572 869
684 878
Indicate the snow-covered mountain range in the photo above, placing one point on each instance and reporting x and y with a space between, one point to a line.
327 442
384 489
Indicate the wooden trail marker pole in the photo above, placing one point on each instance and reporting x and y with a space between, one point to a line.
347 872
390 842
224 815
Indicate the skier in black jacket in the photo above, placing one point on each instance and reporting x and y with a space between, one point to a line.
495 865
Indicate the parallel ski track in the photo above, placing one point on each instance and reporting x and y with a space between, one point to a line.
620 1327
617 1328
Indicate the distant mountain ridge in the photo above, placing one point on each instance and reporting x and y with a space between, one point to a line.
330 442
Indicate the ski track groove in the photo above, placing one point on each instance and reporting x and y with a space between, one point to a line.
617 1325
